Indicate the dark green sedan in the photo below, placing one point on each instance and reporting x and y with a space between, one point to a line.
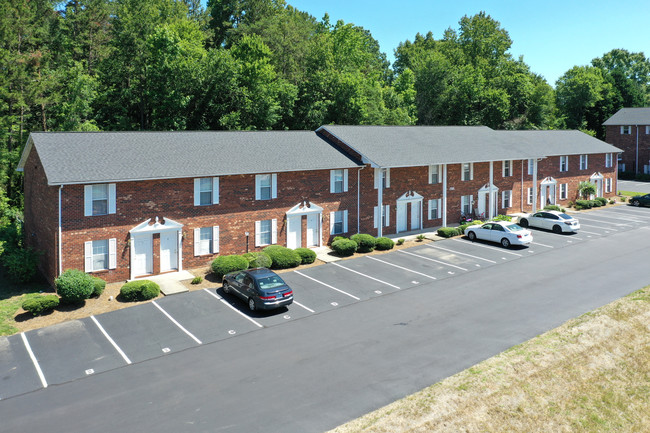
640 200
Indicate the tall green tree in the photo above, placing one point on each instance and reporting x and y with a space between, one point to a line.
578 90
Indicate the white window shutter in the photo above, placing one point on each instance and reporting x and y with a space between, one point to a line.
88 200
503 169
387 210
274 231
332 216
88 253
471 171
345 221
258 227
258 187
332 177
197 192
439 209
388 178
274 186
215 239
430 173
345 180
377 177
621 130
376 217
430 208
111 198
112 253
215 190
197 242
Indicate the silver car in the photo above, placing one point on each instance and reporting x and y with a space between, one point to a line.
559 222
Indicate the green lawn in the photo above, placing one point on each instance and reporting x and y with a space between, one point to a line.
630 193
12 296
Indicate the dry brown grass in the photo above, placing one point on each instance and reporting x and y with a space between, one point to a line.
591 374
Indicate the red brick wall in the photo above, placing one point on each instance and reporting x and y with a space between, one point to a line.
628 143
41 215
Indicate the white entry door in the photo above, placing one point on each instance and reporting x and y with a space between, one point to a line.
294 224
416 211
313 230
402 221
168 251
143 255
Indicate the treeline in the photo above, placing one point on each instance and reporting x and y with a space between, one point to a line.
262 64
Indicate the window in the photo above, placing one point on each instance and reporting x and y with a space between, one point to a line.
529 196
99 199
507 168
583 162
608 185
609 160
206 240
564 163
564 188
266 232
385 216
339 222
100 255
434 208
531 166
206 191
506 199
266 186
467 171
626 130
382 177
647 129
466 204
338 181
434 174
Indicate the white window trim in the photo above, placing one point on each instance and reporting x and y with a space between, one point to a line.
503 199
274 233
439 170
466 201
333 221
531 166
529 196
438 213
609 160
566 164
647 129
584 158
471 172
503 168
608 185
377 216
88 255
333 180
378 177
628 128
214 242
564 191
258 186
88 200
197 191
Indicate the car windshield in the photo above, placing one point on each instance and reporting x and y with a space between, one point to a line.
272 282
514 227
565 216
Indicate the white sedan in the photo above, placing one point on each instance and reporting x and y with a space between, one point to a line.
503 232
559 222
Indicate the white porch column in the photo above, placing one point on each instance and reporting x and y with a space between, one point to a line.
380 202
490 202
444 195
535 185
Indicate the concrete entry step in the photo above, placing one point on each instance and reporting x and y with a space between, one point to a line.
170 283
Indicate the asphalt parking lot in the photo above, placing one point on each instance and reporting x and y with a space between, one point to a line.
80 348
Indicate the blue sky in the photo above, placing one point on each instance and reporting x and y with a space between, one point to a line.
552 35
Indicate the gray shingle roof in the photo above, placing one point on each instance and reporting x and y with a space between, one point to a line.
87 157
630 116
406 146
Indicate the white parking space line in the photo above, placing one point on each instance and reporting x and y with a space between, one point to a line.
628 214
589 218
367 276
542 245
462 254
401 267
110 340
432 260
233 308
615 217
474 244
306 308
327 285
599 227
176 323
34 360
590 233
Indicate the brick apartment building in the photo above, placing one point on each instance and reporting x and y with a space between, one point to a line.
629 130
127 204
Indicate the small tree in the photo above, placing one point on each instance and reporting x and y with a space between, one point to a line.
586 190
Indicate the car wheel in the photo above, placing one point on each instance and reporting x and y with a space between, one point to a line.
523 223
557 229
226 287
636 203
251 304
471 236
505 242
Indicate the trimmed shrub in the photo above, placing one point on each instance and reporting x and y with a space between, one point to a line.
462 227
448 232
197 280
582 204
595 203
258 260
20 263
98 286
224 264
555 207
602 200
282 257
344 247
74 286
307 256
400 242
612 201
623 199
338 238
384 244
365 243
140 290
502 218
41 304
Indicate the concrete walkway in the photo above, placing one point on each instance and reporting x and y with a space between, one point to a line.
170 283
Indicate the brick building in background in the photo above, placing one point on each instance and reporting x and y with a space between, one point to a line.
629 130
127 204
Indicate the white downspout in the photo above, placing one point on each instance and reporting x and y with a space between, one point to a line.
60 235
521 200
490 204
444 195
380 203
636 158
534 185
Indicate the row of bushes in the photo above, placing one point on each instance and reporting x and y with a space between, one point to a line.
449 232
588 204
273 256
360 243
